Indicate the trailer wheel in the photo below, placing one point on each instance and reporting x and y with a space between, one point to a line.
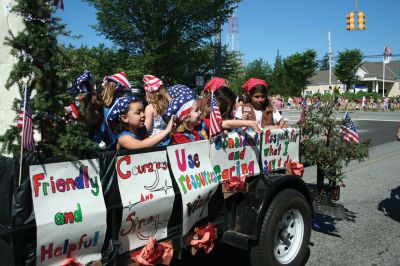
285 231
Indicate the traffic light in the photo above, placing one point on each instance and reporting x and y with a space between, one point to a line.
361 21
350 21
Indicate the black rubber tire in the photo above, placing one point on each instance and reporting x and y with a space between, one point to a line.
262 253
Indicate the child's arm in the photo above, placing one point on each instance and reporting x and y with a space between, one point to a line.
148 112
128 142
228 124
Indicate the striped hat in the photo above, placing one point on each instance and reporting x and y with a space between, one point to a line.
151 83
251 82
182 102
120 78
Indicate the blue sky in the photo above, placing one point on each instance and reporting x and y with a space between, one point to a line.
266 26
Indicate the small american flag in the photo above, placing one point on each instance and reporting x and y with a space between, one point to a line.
348 130
215 117
25 122
58 3
303 115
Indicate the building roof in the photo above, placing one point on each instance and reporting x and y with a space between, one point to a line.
322 78
372 70
375 70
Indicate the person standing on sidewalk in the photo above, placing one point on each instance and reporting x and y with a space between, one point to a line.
386 104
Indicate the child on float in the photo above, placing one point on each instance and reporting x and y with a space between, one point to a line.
114 87
256 104
184 106
127 119
157 99
226 100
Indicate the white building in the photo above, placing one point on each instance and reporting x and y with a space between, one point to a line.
8 21
371 80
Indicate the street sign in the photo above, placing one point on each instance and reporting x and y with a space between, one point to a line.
199 81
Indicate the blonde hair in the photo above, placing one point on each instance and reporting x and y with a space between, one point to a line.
278 97
183 125
159 100
269 109
108 93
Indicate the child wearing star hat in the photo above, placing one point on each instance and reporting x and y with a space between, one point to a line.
127 119
184 106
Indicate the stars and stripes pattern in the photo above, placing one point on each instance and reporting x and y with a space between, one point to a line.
120 106
303 116
25 122
78 87
348 130
182 101
58 3
215 118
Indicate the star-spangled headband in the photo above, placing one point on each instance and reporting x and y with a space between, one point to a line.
182 102
151 83
179 90
121 79
120 106
78 87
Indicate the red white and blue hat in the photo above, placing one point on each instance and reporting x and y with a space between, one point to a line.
182 101
151 83
121 79
120 106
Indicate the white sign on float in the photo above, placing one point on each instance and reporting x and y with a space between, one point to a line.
279 147
147 198
67 224
235 154
191 166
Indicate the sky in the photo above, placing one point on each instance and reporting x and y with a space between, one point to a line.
266 26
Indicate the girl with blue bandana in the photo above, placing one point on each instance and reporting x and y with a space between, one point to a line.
127 118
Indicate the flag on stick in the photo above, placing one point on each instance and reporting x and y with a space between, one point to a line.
348 130
25 122
387 53
215 117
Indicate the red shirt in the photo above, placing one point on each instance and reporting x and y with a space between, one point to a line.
185 137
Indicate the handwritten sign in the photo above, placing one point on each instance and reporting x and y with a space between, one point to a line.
147 197
68 225
197 182
279 146
236 154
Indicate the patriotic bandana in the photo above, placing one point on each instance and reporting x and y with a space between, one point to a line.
120 106
182 101
78 86
214 84
151 83
251 82
121 79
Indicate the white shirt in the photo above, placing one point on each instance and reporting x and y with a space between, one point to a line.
276 116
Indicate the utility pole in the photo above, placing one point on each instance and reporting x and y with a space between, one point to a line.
330 60
217 42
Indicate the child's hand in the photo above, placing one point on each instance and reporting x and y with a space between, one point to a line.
256 127
171 124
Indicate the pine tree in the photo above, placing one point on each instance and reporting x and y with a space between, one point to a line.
39 68
324 147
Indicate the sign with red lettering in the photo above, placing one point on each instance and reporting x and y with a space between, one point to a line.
147 198
67 224
236 154
197 182
279 147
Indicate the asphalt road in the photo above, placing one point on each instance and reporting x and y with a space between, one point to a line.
370 234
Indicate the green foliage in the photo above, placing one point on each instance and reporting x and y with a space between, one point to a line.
169 35
278 78
347 65
40 67
324 63
324 146
298 69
